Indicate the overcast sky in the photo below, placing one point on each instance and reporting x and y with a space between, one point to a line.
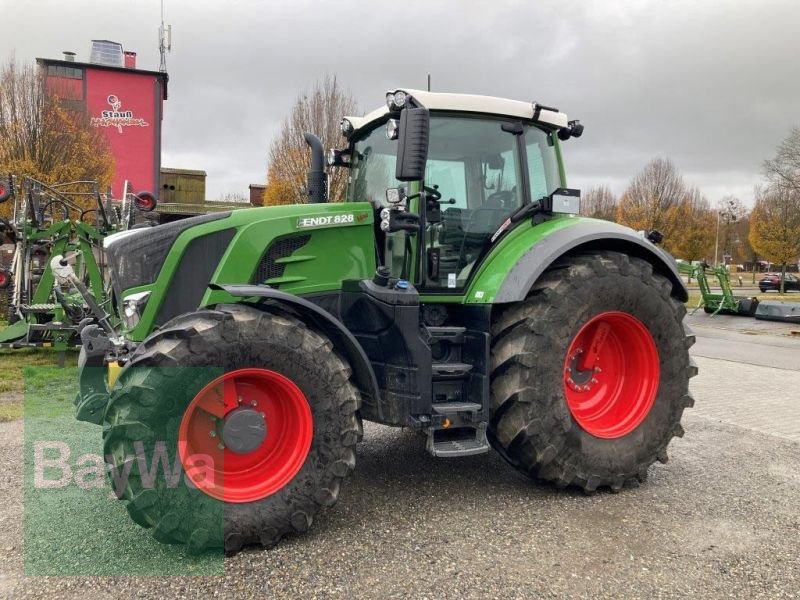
712 84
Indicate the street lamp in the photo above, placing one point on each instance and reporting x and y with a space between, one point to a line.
729 208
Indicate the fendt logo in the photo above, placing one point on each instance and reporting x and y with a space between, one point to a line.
116 117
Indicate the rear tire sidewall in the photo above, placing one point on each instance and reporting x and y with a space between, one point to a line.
531 424
634 297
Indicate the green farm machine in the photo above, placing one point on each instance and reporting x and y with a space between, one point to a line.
46 221
455 292
725 302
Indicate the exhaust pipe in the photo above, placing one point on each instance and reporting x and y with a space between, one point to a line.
317 180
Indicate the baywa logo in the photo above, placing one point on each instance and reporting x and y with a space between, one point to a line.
116 117
91 470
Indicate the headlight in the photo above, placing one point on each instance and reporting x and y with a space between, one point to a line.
132 308
347 128
392 128
396 100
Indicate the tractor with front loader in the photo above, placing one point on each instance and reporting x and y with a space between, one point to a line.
455 292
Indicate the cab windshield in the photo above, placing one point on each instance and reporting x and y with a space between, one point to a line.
483 172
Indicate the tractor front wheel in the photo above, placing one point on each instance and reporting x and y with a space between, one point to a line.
230 427
590 374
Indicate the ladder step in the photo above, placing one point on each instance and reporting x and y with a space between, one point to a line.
446 444
449 408
450 370
454 335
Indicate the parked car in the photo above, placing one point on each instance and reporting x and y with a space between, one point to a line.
772 281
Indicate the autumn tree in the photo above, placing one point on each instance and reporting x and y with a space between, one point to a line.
286 178
319 112
693 237
775 226
599 203
43 137
651 198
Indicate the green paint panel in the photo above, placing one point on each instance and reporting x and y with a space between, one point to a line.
332 254
494 269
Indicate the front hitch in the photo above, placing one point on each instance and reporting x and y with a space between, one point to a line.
92 397
99 341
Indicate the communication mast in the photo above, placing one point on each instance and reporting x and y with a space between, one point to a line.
164 41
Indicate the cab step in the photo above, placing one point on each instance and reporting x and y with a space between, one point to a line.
450 408
454 335
450 370
464 441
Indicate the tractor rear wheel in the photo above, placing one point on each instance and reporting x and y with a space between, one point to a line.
590 374
252 416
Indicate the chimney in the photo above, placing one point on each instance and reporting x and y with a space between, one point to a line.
130 59
69 56
257 194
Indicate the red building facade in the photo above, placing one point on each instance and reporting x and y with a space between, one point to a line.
125 102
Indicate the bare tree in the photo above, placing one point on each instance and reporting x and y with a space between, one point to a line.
319 112
599 203
648 202
42 136
775 226
234 197
784 169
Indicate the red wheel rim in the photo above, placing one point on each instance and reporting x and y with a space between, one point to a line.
611 375
261 471
144 203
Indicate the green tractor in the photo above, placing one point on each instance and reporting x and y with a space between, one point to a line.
456 292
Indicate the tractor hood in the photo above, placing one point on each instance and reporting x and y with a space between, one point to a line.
160 272
135 256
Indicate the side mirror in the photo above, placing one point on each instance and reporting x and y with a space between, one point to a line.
412 153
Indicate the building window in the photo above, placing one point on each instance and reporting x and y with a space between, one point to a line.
65 72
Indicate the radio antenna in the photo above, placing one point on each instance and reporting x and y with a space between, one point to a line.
164 41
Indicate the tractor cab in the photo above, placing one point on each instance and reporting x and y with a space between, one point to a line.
448 170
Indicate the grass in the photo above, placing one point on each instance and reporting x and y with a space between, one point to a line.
12 375
73 525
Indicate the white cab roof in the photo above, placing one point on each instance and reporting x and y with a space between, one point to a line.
469 103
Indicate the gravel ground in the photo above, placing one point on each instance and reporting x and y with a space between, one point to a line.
721 519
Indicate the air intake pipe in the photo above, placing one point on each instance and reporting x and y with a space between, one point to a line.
317 180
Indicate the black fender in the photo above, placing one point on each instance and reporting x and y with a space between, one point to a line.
586 236
343 340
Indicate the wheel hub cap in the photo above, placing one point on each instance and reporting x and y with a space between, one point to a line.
611 374
250 430
245 430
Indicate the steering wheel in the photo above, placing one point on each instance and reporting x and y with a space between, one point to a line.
503 198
